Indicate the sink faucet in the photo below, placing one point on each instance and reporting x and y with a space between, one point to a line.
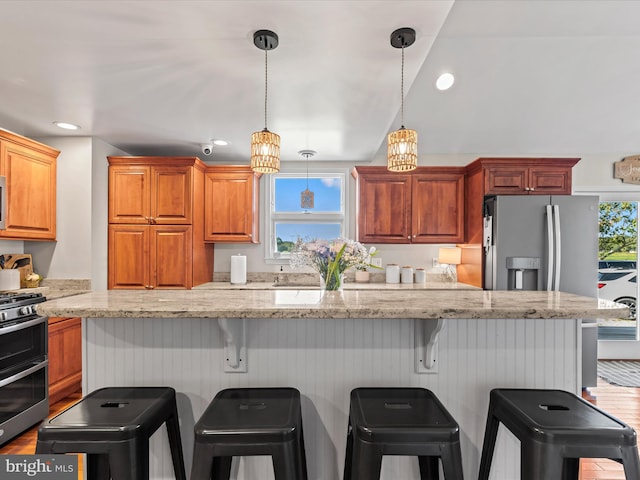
280 277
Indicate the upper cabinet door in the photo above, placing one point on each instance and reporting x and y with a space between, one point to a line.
150 195
171 195
31 191
384 208
506 181
437 201
550 180
231 205
129 194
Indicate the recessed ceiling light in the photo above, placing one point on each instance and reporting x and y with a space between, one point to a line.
66 126
221 143
445 81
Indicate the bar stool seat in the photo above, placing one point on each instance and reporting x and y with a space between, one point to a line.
112 426
556 429
400 421
250 421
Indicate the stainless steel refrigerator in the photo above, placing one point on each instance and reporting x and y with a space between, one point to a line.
542 242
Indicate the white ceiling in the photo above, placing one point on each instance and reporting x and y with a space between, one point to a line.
156 77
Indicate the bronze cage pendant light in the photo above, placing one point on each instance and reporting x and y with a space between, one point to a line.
265 145
402 145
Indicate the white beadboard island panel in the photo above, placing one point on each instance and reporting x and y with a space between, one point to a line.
325 359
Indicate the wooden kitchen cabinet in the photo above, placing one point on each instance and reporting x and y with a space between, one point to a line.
158 194
424 206
527 180
156 229
30 171
148 257
65 357
231 199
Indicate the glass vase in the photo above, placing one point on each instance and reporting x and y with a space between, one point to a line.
332 283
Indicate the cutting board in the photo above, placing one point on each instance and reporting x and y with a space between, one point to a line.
17 261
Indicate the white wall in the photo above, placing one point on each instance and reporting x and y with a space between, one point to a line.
80 249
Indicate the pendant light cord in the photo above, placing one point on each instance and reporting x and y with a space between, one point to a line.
402 90
265 89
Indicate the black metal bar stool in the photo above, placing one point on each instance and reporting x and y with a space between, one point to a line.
112 426
250 421
400 421
556 429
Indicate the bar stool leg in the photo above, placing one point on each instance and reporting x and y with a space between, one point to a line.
630 462
98 466
203 460
301 458
221 468
451 457
175 443
348 457
130 460
571 469
488 445
428 468
369 461
540 461
284 464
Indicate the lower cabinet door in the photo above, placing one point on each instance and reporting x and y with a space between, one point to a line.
65 357
171 255
129 257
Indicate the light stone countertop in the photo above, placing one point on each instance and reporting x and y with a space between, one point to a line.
257 285
287 303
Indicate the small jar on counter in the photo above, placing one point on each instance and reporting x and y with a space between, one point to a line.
393 273
420 275
407 274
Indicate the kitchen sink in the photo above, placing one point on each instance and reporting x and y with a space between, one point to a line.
296 286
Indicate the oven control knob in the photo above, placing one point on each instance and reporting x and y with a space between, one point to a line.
28 310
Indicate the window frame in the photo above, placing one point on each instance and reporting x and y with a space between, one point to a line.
271 217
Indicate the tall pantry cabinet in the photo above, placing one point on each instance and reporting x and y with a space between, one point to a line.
156 224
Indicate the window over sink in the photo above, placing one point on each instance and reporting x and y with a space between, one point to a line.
287 219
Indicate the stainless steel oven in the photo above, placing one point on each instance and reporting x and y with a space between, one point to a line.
24 387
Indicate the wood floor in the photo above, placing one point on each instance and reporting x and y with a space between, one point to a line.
624 403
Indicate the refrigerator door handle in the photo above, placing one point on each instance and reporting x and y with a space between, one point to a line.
550 248
558 249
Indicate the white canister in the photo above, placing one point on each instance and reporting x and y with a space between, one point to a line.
238 269
393 273
407 275
420 275
10 279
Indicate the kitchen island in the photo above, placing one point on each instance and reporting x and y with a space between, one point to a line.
458 343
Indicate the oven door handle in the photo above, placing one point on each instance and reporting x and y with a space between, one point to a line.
22 325
24 373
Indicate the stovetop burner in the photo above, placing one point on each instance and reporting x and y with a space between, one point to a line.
12 299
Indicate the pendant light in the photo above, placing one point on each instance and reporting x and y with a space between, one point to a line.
265 145
402 145
306 196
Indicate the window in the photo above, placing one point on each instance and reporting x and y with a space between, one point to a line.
287 220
